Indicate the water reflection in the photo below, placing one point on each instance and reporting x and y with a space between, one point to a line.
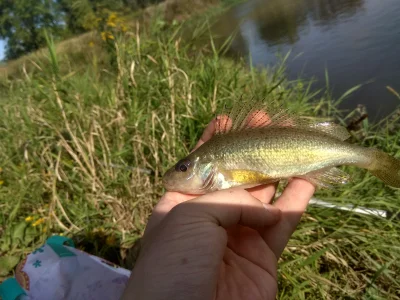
358 41
280 21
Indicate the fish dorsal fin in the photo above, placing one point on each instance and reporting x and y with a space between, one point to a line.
332 129
247 114
254 114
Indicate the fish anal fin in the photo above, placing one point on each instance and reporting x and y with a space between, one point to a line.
328 178
332 129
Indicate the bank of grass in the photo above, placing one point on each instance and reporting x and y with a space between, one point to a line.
78 51
82 154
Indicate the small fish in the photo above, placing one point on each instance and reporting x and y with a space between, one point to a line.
254 145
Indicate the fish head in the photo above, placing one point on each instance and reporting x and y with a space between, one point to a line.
187 176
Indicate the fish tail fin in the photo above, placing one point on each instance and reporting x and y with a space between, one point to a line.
385 167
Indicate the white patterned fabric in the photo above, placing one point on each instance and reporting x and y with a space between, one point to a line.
56 271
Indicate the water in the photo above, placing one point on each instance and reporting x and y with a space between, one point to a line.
357 41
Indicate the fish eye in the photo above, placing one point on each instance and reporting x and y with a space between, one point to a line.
182 165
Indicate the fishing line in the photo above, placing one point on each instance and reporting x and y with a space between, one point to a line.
353 208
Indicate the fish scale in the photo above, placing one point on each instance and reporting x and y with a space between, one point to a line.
280 151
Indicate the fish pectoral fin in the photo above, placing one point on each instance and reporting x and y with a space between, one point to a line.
210 180
328 178
241 177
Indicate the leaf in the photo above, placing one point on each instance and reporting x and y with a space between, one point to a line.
313 257
7 264
5 243
348 93
15 210
18 233
30 235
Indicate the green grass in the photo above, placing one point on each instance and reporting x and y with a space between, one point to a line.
73 147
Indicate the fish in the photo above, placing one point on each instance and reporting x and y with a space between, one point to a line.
258 143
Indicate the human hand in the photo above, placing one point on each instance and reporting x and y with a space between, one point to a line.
223 245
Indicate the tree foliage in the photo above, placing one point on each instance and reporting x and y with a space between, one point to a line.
82 15
22 24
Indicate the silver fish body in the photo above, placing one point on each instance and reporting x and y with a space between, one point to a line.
272 150
281 152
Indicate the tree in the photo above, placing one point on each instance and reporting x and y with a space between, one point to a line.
22 24
82 15
79 15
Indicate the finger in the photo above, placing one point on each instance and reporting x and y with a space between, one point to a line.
248 243
263 281
292 203
224 124
258 118
227 208
264 193
207 134
218 125
164 206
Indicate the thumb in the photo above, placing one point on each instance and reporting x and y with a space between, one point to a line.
227 208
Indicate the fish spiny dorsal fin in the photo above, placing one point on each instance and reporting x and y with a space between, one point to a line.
255 114
239 114
251 113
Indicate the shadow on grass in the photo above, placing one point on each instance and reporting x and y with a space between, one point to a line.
108 247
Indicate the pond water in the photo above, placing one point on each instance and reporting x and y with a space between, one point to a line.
356 41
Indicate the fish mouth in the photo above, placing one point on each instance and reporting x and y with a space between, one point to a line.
168 182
